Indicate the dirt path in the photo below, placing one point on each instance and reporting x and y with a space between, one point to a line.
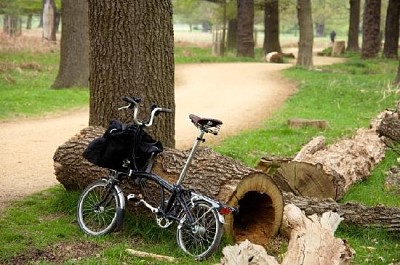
240 94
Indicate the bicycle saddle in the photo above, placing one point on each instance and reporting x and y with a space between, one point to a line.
206 124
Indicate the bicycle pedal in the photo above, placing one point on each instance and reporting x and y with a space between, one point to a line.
134 197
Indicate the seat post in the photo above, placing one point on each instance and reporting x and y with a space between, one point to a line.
196 144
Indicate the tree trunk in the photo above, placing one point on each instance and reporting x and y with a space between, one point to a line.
49 20
74 56
260 200
29 22
390 49
131 54
271 27
352 213
397 80
245 46
354 26
304 15
328 172
231 40
311 242
11 25
371 29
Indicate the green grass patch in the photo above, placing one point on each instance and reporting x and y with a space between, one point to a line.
25 86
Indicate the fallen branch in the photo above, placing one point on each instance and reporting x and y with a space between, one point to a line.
142 254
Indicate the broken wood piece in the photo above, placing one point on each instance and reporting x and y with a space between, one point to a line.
298 123
142 254
312 240
246 253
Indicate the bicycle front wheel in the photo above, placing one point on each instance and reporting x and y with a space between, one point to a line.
99 209
202 238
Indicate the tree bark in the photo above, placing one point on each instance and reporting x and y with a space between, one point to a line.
74 56
354 26
259 199
271 26
391 46
328 172
371 29
245 43
304 15
131 54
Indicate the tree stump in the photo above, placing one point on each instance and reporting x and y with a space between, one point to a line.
338 48
327 172
259 199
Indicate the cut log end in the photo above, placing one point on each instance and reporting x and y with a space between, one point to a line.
260 205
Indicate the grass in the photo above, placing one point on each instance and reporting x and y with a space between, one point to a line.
42 229
25 86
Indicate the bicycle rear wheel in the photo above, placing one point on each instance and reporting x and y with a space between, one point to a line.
202 238
99 209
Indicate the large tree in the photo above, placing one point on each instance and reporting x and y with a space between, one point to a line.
371 29
74 56
304 15
245 39
271 26
391 46
354 26
131 54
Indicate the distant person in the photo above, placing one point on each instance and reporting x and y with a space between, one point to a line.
333 36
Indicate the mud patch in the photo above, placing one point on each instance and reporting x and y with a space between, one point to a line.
59 253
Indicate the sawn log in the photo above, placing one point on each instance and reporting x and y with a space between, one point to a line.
327 171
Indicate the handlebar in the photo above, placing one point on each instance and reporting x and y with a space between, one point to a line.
134 105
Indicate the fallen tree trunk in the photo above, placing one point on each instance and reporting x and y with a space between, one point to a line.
259 199
327 172
311 241
352 213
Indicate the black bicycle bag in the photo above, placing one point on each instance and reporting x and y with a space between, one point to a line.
121 143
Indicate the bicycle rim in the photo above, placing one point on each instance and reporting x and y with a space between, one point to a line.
98 210
202 238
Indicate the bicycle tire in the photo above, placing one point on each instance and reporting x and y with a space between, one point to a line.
202 238
95 219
